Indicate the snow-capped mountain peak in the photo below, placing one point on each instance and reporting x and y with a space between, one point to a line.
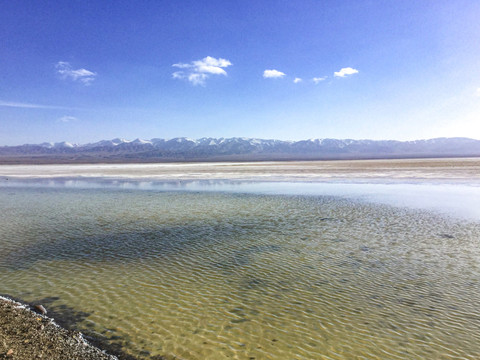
242 148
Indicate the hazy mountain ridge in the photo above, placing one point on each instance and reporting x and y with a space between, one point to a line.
236 149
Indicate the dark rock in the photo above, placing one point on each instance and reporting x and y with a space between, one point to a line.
447 236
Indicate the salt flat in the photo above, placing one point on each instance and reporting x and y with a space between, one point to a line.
457 169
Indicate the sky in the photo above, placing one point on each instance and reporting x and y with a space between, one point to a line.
83 71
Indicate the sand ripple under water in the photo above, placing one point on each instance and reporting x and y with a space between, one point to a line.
194 275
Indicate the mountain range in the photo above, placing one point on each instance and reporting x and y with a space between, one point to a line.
234 149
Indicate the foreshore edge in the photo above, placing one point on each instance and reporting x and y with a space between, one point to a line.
27 334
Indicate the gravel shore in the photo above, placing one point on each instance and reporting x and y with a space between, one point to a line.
26 335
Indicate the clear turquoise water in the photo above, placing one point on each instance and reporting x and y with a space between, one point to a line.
234 275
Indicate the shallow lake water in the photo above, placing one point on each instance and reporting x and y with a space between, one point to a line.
256 271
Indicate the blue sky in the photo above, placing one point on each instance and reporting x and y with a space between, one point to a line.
82 71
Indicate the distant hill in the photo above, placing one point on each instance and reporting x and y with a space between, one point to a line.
235 149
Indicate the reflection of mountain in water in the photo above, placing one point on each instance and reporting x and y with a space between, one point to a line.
211 149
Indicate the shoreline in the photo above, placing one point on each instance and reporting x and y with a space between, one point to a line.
26 334
444 169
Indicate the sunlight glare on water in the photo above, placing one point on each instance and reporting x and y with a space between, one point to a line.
211 275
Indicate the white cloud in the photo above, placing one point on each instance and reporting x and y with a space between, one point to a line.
316 80
197 72
67 118
197 78
297 80
477 92
345 71
64 69
273 74
28 106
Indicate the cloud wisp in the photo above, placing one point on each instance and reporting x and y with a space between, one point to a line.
67 119
66 72
297 80
197 72
317 80
28 106
273 74
345 72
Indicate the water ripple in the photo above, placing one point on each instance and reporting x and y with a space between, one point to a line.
215 276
